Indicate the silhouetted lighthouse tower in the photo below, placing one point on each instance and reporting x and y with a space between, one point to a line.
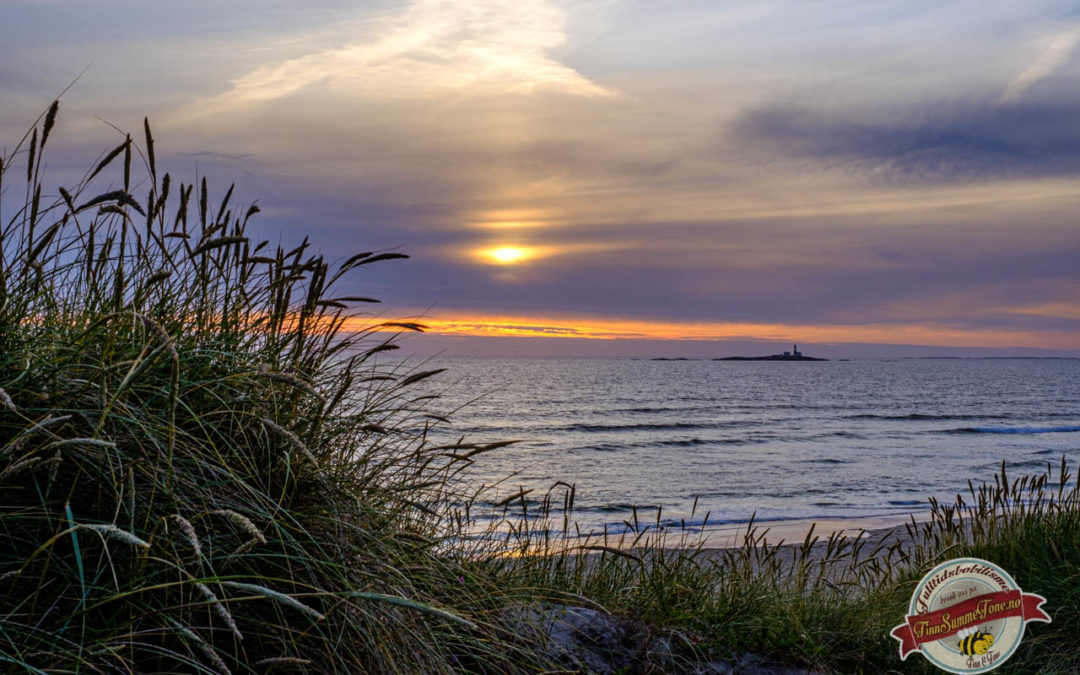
795 350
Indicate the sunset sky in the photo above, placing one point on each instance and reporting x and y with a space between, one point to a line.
617 177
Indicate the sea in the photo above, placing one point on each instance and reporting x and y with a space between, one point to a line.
675 440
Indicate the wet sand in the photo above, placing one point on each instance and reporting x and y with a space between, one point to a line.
874 532
793 532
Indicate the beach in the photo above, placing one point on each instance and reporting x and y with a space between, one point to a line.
871 530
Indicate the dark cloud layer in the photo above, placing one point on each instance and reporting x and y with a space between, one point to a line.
943 276
932 142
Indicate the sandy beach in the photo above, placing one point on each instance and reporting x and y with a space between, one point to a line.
874 529
878 532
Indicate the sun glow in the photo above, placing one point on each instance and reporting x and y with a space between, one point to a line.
507 255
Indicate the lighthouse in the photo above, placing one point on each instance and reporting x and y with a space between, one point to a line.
795 350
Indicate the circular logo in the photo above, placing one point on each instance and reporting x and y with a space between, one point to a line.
967 616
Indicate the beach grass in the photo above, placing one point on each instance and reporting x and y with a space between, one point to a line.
211 462
206 464
826 603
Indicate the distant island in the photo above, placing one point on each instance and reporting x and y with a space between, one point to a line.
793 355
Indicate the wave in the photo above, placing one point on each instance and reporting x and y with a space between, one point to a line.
690 442
685 442
1015 430
657 426
653 410
956 417
599 447
610 508
662 443
920 416
1028 464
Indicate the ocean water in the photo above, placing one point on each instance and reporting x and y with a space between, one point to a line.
782 440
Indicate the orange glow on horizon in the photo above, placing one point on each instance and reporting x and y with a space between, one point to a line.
473 325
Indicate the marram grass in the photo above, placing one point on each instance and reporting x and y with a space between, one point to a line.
205 468
824 604
200 469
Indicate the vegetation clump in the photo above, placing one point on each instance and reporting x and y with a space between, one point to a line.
829 604
204 465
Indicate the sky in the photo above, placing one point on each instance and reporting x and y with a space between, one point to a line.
636 178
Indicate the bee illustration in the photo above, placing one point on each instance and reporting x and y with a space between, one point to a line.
973 641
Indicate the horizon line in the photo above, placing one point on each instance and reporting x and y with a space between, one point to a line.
450 324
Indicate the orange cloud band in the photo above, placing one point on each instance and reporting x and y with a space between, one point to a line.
613 329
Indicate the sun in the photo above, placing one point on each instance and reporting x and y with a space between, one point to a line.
506 255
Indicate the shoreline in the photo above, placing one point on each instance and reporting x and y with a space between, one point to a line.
714 540
875 533
794 532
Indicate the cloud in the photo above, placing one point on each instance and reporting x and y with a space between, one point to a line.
433 47
1055 51
935 142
